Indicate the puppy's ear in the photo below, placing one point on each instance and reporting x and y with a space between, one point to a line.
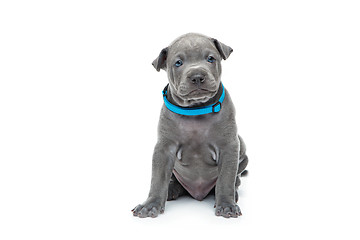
223 49
160 61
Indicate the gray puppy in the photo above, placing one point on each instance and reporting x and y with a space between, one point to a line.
198 148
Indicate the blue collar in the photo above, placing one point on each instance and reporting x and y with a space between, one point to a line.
213 108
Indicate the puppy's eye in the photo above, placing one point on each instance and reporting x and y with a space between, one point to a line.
178 63
211 59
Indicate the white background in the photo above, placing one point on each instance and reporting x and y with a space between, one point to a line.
80 101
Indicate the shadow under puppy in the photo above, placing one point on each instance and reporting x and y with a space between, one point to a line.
198 148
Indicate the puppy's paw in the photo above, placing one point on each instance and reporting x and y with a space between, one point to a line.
148 209
227 210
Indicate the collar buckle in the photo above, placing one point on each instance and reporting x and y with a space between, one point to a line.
217 109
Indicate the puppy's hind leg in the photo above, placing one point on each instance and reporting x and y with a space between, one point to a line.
241 172
175 189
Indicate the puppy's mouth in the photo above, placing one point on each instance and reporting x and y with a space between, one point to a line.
199 92
198 95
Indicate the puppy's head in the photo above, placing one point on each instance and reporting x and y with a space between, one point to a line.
193 66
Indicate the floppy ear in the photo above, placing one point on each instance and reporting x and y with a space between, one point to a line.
160 61
223 49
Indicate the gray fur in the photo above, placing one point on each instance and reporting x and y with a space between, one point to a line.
195 154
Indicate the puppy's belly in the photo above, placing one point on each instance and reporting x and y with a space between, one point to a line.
198 185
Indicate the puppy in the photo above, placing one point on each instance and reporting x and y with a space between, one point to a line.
198 148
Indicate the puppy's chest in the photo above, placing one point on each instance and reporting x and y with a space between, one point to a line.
194 132
197 143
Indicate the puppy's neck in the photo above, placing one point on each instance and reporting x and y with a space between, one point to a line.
176 100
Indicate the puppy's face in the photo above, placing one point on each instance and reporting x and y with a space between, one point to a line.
193 66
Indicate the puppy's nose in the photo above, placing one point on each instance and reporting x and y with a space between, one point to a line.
197 78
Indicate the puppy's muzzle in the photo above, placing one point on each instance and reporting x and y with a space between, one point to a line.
197 78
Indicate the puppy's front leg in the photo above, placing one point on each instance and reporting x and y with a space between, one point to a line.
162 166
225 184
